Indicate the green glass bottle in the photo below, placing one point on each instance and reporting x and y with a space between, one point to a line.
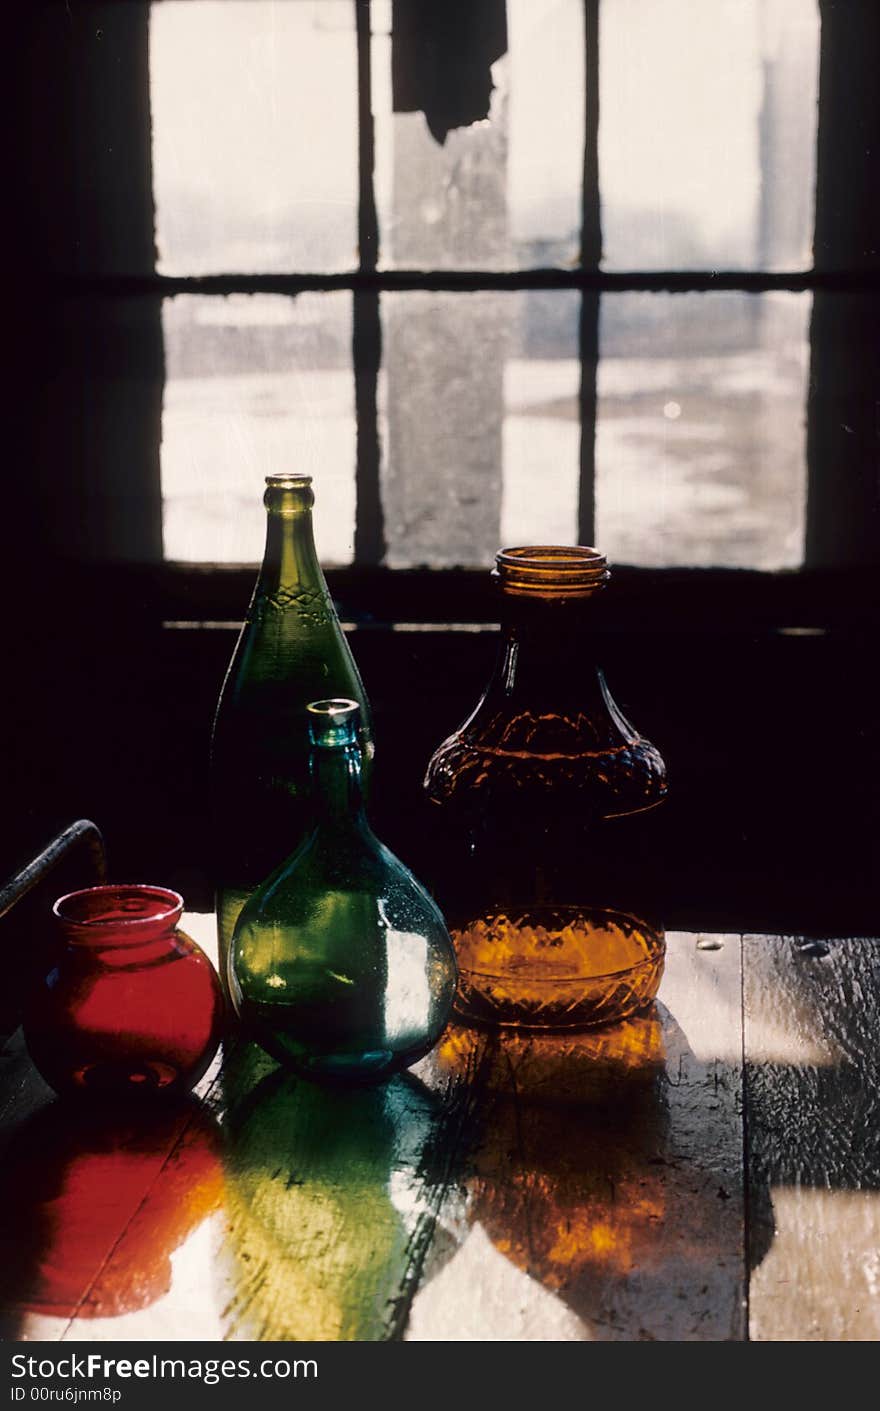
341 965
291 650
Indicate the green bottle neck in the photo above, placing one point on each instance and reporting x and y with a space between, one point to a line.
290 561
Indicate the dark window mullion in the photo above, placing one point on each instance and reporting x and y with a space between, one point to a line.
369 537
843 413
591 255
456 281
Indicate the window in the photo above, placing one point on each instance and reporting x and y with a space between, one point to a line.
480 417
494 271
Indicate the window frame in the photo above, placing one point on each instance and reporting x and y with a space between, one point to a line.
819 594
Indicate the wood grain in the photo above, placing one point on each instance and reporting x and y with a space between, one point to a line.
581 1188
601 1197
812 1043
331 1201
96 1207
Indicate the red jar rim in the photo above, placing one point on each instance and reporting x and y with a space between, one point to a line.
117 913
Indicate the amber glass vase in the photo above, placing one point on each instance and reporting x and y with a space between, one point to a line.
526 785
291 650
131 1005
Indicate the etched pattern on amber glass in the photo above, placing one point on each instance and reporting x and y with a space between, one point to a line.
556 967
614 779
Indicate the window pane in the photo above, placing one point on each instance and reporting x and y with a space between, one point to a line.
501 192
254 112
480 429
700 441
707 132
255 385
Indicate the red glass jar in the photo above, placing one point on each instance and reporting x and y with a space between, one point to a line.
131 1004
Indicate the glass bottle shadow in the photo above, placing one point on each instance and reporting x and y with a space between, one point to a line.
96 1200
586 1173
328 1205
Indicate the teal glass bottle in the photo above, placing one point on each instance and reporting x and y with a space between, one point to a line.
290 651
341 966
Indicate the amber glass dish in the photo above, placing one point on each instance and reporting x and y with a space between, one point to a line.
556 968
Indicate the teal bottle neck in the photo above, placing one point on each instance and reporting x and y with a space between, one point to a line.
338 788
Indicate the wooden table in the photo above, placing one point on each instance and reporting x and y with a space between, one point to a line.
707 1171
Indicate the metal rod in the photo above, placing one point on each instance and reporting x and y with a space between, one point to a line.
83 831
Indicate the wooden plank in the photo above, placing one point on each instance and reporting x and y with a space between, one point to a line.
332 1199
812 1022
575 1189
23 1097
602 1194
285 1225
328 1203
580 1188
97 1204
161 1269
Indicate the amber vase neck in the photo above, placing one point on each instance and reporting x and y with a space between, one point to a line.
550 575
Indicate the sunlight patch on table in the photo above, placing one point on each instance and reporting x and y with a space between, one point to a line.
479 1296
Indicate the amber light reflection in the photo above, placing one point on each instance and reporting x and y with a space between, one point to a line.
562 1176
74 1180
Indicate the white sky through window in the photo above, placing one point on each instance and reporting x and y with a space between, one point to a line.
707 155
254 111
